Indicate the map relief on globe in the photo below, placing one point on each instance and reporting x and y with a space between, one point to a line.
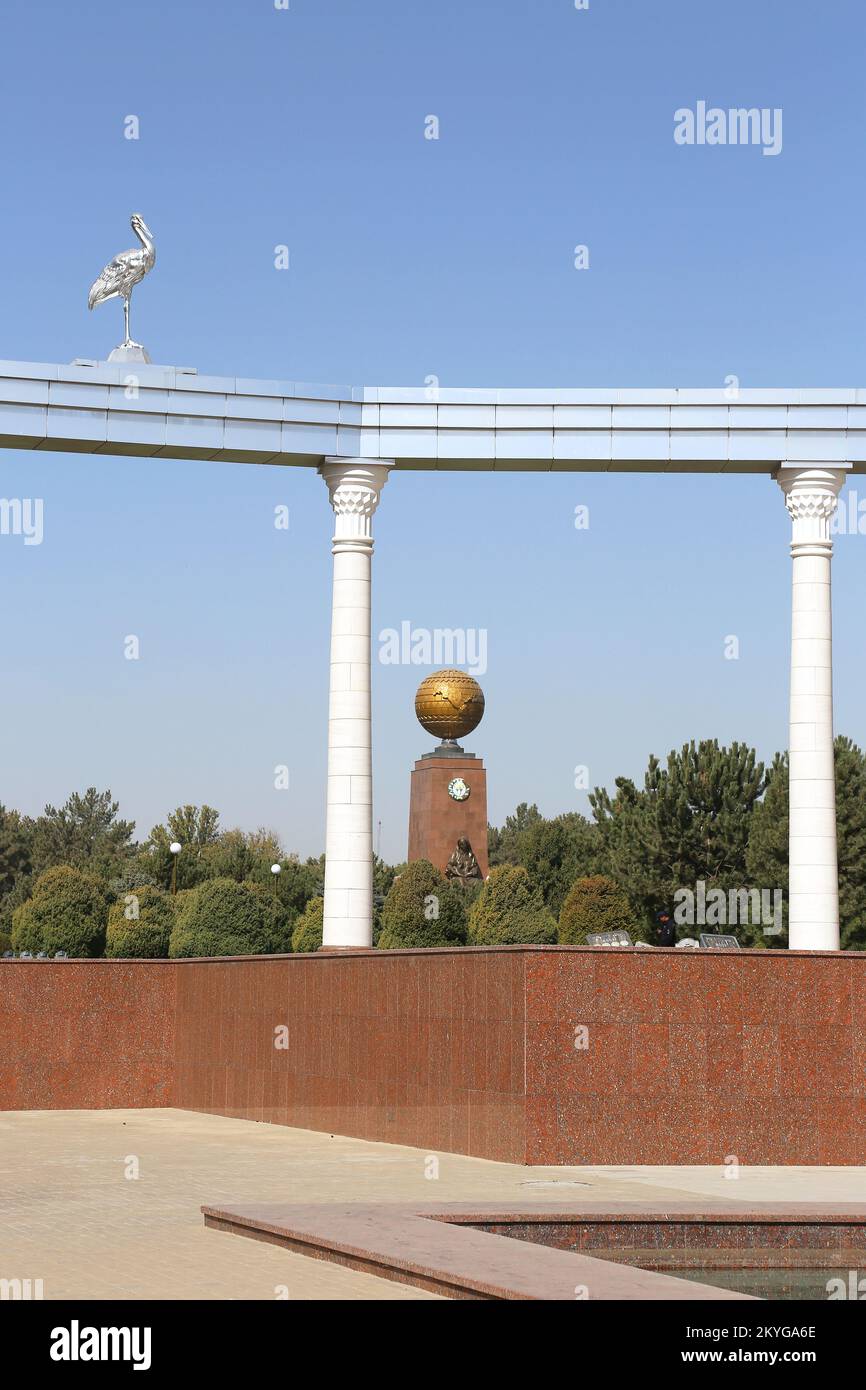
449 704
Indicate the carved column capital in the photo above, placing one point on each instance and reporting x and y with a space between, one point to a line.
354 486
811 494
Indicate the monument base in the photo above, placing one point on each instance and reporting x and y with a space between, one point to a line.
437 820
129 352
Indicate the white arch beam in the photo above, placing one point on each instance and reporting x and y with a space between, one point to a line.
172 413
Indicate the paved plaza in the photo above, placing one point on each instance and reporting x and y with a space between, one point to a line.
70 1216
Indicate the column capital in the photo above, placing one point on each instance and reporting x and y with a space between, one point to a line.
811 494
354 485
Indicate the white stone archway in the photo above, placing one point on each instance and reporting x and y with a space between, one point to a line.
809 440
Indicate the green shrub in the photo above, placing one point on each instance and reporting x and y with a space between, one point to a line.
140 924
130 879
26 933
422 909
280 917
16 897
224 918
591 905
67 912
307 935
509 911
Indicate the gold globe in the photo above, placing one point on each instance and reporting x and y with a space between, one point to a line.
449 704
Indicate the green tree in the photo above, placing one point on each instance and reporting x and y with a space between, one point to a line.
503 846
240 855
85 833
767 850
16 836
14 899
510 911
690 822
279 918
422 909
383 877
303 881
196 830
851 831
224 918
307 935
140 925
130 879
67 912
556 852
768 840
299 882
595 904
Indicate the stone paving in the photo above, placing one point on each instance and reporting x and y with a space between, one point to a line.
71 1216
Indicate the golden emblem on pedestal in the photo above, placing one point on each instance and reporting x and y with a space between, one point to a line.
449 704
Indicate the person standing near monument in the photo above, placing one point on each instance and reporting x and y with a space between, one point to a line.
666 930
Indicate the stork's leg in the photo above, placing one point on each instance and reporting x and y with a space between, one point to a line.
126 318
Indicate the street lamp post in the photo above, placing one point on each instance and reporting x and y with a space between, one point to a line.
276 870
175 851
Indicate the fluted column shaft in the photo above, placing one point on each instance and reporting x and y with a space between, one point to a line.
354 486
811 495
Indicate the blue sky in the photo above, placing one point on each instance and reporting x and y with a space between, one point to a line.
412 257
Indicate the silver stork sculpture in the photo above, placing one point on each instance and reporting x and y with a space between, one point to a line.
118 280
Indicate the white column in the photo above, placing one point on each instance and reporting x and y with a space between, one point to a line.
811 495
354 486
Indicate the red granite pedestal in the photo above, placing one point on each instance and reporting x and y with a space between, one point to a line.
436 820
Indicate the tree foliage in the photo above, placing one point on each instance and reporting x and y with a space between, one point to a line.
224 918
307 935
595 904
689 822
556 852
140 925
86 833
196 830
711 814
67 912
422 909
16 841
503 846
510 911
15 849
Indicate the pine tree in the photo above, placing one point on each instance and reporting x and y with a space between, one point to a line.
690 823
86 832
15 849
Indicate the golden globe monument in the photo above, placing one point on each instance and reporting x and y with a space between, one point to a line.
448 791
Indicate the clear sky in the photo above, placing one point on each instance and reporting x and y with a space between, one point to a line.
410 257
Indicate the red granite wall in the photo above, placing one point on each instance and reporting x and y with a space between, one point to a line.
692 1058
86 1035
414 1047
680 1058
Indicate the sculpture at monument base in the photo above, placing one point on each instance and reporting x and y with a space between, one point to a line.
463 866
